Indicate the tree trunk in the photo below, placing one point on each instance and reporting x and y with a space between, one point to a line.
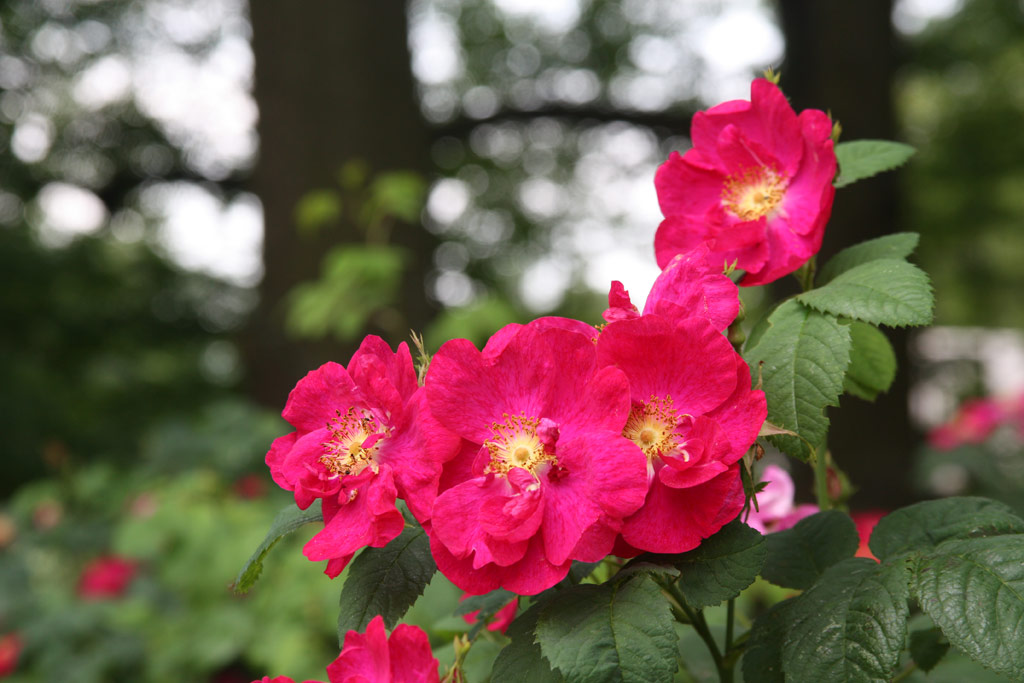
841 56
333 83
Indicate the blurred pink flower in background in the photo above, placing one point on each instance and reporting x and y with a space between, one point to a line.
11 646
106 577
776 511
973 422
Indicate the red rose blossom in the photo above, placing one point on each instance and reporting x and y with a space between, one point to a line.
756 187
357 446
106 577
373 657
686 288
544 476
693 415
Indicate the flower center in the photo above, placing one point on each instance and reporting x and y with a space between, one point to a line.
516 444
754 192
652 426
355 440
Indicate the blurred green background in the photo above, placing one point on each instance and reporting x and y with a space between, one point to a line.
202 200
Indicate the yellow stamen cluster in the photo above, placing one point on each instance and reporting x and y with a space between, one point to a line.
754 192
652 426
515 444
344 454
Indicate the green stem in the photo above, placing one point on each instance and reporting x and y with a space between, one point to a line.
700 624
730 616
821 479
911 668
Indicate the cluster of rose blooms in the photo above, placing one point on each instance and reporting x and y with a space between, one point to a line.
559 441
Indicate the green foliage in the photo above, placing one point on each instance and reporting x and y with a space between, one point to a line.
859 159
317 209
881 292
922 526
287 520
797 557
385 581
521 659
850 626
187 532
721 566
973 589
961 559
928 647
898 245
396 193
872 362
617 631
762 660
358 281
805 355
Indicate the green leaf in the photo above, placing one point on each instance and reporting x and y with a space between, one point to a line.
859 159
521 659
287 520
396 193
872 362
883 292
973 589
762 660
721 566
927 647
581 570
850 626
385 581
805 355
317 209
617 631
899 245
925 525
357 281
797 557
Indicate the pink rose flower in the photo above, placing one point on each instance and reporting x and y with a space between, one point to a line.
693 414
373 657
544 476
357 446
775 508
11 646
756 187
686 288
106 577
